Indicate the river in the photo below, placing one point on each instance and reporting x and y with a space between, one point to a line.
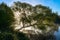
57 34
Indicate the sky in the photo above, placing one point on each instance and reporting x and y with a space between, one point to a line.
53 4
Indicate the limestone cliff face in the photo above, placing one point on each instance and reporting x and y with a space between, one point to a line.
19 24
27 11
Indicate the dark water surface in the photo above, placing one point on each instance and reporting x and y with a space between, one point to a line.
57 34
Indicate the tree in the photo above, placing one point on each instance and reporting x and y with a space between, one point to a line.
6 20
45 18
6 17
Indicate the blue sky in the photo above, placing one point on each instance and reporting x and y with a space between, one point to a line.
53 4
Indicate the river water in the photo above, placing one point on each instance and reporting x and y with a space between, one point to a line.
57 34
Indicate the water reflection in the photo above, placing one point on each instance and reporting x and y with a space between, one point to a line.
57 34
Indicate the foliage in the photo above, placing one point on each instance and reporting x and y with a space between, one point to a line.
22 36
6 17
6 36
6 20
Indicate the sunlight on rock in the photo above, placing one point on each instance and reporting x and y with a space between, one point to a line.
17 17
18 24
31 30
18 27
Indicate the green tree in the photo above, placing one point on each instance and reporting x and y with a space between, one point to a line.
45 18
6 17
6 20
